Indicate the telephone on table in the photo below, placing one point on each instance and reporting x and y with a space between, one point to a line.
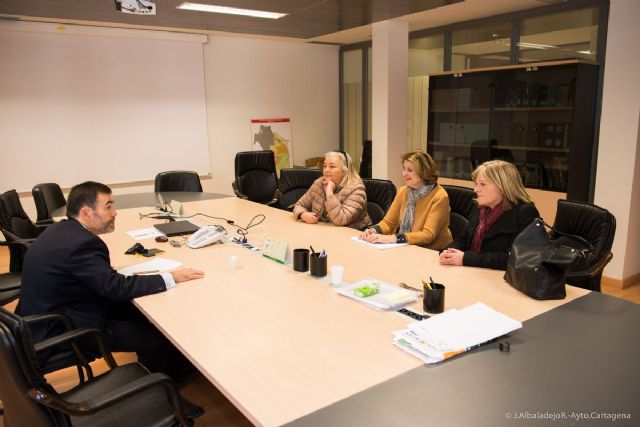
206 236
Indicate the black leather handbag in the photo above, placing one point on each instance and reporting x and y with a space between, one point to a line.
537 266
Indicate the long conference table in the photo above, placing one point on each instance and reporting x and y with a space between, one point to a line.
284 347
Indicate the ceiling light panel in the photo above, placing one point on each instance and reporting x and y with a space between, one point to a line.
230 10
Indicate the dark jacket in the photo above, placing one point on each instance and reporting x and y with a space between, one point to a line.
67 270
495 247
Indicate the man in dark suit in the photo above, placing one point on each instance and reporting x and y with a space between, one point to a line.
67 270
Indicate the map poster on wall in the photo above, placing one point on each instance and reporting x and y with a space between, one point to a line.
274 135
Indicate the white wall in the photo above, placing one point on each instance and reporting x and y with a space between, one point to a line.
252 79
108 104
618 180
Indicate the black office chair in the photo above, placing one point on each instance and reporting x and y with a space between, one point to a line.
10 281
293 184
14 219
380 195
48 197
461 201
178 181
126 395
256 178
598 227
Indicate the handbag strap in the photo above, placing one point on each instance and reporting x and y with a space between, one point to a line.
571 236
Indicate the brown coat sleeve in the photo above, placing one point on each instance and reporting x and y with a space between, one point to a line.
306 202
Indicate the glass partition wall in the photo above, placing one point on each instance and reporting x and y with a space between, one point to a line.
572 30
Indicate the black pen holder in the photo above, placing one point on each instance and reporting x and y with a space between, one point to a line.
433 299
301 260
318 265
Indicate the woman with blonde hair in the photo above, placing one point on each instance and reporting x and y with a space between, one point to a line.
419 214
338 196
504 210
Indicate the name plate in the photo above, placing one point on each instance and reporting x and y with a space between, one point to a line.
277 250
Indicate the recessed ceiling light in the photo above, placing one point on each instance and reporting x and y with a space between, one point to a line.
230 10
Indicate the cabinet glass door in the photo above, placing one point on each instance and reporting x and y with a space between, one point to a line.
532 123
459 114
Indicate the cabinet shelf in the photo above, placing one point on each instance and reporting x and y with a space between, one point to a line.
498 147
460 110
533 109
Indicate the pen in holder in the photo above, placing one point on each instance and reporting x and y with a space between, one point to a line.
318 265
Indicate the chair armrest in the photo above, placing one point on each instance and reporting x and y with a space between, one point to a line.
112 397
237 192
595 269
72 337
599 265
18 242
49 317
44 222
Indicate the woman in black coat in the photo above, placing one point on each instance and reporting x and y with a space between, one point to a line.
504 210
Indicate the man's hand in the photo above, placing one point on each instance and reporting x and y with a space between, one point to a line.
186 274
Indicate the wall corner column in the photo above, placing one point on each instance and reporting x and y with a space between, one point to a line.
389 98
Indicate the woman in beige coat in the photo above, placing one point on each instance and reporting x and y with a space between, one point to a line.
338 196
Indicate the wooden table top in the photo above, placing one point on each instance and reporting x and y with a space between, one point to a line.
281 344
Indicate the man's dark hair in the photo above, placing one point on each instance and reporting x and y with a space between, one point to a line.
84 194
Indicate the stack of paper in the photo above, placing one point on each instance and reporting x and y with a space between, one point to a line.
453 332
387 297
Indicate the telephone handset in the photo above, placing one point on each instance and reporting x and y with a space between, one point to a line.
206 236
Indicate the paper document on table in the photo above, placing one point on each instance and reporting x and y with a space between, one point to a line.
379 245
379 295
454 332
145 233
157 266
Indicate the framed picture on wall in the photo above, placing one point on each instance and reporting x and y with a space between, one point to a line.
274 135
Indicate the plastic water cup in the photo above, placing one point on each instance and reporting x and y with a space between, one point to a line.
233 262
337 274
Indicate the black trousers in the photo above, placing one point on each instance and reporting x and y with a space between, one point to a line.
128 330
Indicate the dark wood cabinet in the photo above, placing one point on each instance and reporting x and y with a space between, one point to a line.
541 117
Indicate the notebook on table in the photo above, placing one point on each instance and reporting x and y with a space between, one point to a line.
177 228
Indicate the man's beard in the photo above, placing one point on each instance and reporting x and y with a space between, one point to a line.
108 227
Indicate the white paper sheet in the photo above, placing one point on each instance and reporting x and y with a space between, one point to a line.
158 265
145 233
379 245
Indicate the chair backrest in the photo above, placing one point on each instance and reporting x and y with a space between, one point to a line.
457 224
591 222
13 217
256 175
48 197
461 200
294 183
178 181
380 195
19 375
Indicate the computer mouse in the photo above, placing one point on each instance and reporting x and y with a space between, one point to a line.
162 239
